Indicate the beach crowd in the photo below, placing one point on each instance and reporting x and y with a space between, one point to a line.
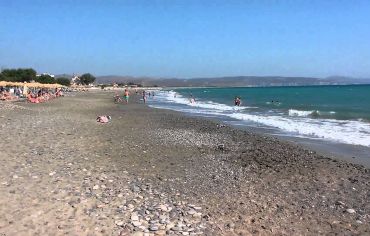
32 95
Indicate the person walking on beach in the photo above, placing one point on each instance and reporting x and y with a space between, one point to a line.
144 96
126 95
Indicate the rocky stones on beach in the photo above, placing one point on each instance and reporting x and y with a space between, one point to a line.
119 223
350 211
98 181
11 106
340 203
134 217
136 223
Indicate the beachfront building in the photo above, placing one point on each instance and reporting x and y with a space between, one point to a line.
75 80
51 75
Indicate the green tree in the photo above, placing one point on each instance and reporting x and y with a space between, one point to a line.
19 75
87 79
63 81
45 79
27 74
10 74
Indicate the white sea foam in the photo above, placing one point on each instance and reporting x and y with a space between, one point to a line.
171 96
297 123
350 132
293 112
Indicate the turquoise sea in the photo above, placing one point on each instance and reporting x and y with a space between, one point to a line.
334 113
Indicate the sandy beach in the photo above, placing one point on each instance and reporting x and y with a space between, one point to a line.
157 172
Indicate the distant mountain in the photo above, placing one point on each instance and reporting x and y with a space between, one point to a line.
351 80
122 79
234 81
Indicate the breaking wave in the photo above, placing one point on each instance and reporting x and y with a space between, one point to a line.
295 122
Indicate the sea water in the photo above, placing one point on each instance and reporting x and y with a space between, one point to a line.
339 114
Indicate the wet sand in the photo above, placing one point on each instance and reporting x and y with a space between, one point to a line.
157 172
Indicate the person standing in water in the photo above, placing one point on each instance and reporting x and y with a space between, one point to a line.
192 100
237 101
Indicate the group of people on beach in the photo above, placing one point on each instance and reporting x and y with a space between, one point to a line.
43 95
126 96
237 100
8 95
30 95
146 95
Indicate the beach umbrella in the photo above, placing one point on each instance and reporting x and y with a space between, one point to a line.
47 86
34 85
16 84
56 85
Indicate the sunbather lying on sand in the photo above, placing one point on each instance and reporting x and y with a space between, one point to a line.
103 119
5 96
31 98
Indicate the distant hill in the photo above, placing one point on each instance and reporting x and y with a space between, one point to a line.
64 76
234 81
228 81
122 79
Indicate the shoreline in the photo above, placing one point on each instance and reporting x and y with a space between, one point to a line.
355 154
217 180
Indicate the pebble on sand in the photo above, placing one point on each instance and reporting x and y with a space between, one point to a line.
119 223
134 217
350 211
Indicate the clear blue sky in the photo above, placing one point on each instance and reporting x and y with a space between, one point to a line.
187 38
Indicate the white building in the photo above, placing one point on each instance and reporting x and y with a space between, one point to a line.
75 79
46 74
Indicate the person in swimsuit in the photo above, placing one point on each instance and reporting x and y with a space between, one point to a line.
126 95
192 99
117 98
237 101
144 96
103 119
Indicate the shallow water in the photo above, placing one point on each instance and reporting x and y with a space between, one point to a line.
339 114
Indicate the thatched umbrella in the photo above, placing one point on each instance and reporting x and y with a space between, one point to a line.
34 85
16 84
56 85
